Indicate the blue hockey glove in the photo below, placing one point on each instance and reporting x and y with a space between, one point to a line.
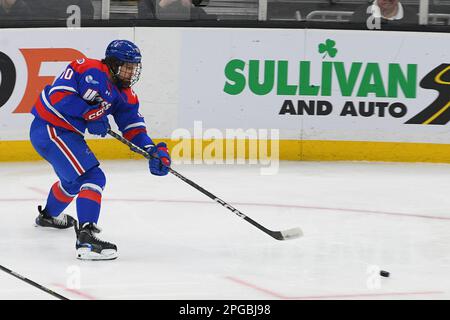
159 165
98 127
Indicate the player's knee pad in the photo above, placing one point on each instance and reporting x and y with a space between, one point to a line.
93 179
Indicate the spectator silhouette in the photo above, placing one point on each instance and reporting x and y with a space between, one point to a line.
14 10
389 11
172 10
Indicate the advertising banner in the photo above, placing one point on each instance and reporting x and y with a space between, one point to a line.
325 94
319 84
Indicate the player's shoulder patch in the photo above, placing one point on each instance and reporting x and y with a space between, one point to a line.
130 96
83 65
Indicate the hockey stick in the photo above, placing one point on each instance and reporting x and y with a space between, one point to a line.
279 235
34 284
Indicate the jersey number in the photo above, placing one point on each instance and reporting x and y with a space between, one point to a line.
67 74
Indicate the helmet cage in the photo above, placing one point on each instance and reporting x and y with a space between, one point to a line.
121 73
129 78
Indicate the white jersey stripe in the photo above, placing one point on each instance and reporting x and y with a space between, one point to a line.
134 125
48 105
92 186
60 148
70 89
70 152
65 150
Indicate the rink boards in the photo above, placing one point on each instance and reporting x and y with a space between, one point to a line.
321 94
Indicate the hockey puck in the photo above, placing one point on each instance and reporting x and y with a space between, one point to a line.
384 273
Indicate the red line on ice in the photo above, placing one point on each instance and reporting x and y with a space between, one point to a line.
275 205
278 205
38 190
75 291
367 295
247 284
337 296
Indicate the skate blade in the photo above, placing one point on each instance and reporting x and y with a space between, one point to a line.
87 254
49 228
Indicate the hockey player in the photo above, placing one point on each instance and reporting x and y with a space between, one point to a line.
79 100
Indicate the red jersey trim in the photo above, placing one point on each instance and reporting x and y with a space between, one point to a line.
130 96
133 133
51 118
82 65
57 96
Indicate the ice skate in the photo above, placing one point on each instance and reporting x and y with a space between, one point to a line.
63 221
89 247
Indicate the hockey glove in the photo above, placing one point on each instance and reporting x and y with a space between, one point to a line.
159 165
98 127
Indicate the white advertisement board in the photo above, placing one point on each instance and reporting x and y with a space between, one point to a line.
325 84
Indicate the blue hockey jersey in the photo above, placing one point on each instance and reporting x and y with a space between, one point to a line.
84 92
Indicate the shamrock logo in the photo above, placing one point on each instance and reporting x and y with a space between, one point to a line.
328 48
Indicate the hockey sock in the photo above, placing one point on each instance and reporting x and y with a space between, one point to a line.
88 205
58 200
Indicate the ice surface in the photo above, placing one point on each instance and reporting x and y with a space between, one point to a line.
175 243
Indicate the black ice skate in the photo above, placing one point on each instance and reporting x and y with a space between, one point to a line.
89 247
63 221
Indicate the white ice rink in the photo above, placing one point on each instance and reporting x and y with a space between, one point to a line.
175 243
